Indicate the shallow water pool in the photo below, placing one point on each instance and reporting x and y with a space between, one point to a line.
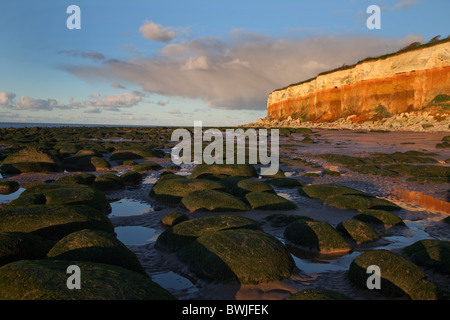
136 235
129 207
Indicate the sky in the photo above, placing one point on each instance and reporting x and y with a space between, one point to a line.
174 62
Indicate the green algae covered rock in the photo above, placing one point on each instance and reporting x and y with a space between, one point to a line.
237 170
16 246
108 182
249 185
316 236
131 178
95 246
173 218
358 231
53 221
58 194
98 282
148 166
81 178
280 219
268 201
399 276
360 202
238 255
172 189
212 200
325 191
319 294
8 187
379 217
430 253
183 233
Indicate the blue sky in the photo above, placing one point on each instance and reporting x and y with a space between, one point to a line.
175 62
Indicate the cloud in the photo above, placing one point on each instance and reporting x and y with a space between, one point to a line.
156 32
113 102
240 71
93 55
405 4
117 85
6 98
176 111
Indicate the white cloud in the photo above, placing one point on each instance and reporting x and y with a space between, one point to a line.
117 85
405 4
240 72
114 101
6 98
156 32
93 55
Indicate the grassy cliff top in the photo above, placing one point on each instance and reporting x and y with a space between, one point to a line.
412 47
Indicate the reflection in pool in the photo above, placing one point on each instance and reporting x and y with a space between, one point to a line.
129 207
313 263
136 235
172 280
4 198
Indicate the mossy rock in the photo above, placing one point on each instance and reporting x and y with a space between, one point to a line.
238 255
87 152
319 294
358 231
129 163
15 246
148 166
268 201
173 167
108 182
59 194
316 236
443 145
28 167
250 185
280 219
446 138
136 152
360 202
311 175
285 182
430 253
131 178
325 191
81 178
420 170
424 180
53 221
173 218
331 173
98 282
236 170
171 189
279 174
8 187
379 217
95 246
212 200
185 232
343 159
399 276
29 154
92 164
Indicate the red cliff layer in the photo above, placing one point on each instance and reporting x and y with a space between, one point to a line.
344 93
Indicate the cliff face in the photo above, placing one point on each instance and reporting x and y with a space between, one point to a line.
402 83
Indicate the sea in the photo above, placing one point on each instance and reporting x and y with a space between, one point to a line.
55 125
